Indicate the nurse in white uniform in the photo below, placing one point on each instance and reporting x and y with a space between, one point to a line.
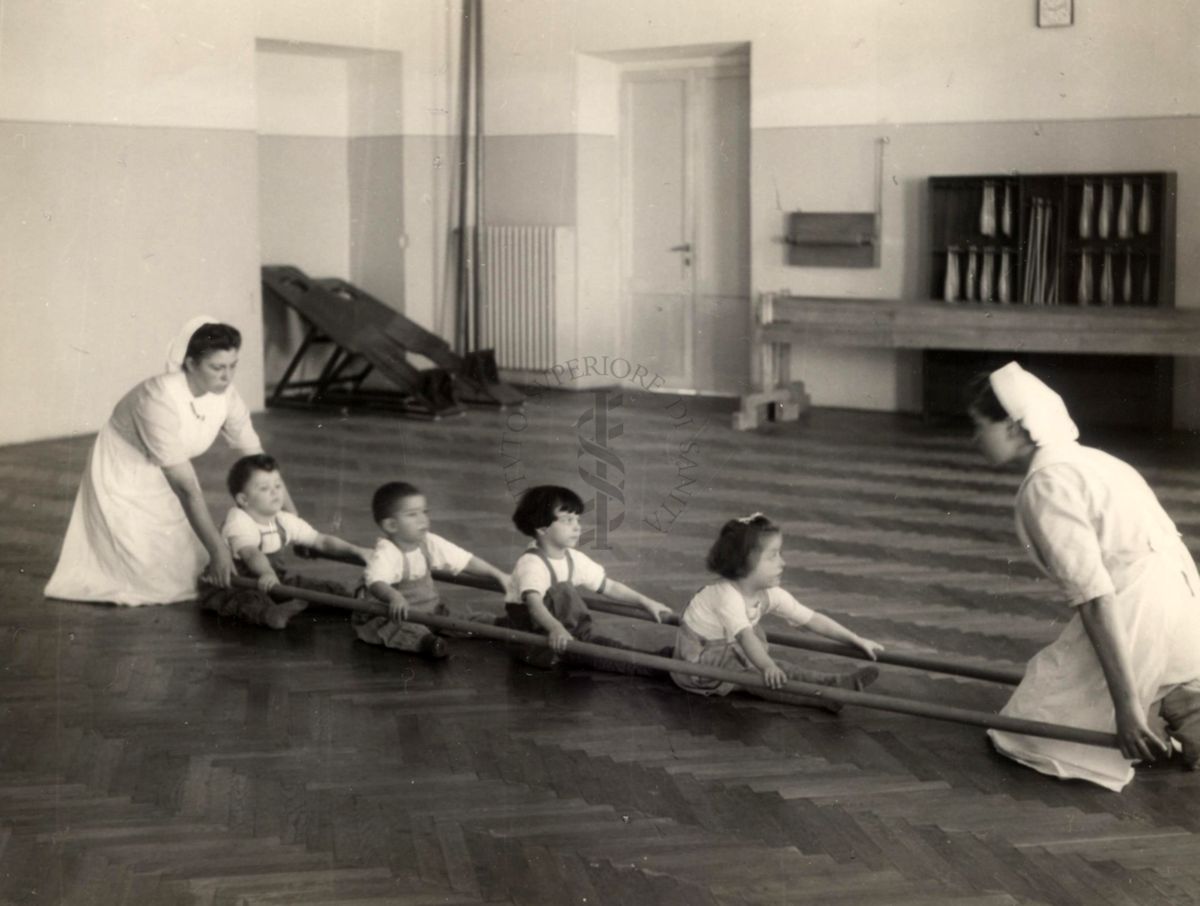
1092 524
140 531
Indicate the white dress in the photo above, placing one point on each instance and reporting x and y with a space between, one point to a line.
129 541
1091 523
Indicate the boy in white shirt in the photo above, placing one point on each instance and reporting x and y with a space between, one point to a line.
258 532
548 575
399 572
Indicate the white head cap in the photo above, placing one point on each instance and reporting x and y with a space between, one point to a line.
178 346
1033 405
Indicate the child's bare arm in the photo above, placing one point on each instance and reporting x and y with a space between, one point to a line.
545 619
258 563
623 593
331 544
757 652
480 567
832 629
397 605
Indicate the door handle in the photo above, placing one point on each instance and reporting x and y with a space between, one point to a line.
686 247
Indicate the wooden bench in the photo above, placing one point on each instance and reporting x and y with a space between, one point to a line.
781 321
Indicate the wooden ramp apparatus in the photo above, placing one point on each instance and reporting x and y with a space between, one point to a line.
367 336
809 691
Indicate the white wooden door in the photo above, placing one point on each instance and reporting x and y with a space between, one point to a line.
686 224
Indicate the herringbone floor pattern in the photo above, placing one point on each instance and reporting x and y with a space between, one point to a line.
158 755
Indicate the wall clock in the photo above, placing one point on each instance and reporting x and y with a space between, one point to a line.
1055 13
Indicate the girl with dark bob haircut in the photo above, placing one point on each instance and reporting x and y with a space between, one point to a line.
721 626
550 575
539 507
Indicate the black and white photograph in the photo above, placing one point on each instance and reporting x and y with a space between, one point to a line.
600 453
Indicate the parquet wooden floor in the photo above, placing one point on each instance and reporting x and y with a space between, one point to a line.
158 755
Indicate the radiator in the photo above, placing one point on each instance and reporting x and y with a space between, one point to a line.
527 277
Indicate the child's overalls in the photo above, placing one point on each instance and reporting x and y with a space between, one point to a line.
253 606
421 595
567 606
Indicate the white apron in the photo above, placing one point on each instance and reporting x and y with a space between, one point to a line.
129 540
1155 586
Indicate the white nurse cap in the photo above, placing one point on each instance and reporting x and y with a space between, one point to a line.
1033 405
178 346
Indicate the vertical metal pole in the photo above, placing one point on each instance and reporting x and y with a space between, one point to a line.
477 257
462 286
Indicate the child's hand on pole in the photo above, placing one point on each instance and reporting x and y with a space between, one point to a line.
871 648
774 677
559 638
657 610
397 608
267 581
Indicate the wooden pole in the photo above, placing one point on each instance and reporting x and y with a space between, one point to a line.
746 679
926 662
790 639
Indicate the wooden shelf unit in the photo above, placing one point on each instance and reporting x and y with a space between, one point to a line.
955 203
1129 389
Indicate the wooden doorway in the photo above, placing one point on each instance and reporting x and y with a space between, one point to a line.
685 143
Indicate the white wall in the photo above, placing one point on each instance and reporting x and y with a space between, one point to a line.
375 94
130 180
301 90
425 32
127 62
127 179
958 87
418 40
871 61
128 159
331 175
304 186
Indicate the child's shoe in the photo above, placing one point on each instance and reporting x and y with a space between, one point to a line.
858 679
433 648
855 680
1181 710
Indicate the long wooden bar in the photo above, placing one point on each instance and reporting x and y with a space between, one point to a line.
927 662
891 703
899 324
911 324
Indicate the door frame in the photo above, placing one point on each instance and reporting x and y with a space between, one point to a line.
656 70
